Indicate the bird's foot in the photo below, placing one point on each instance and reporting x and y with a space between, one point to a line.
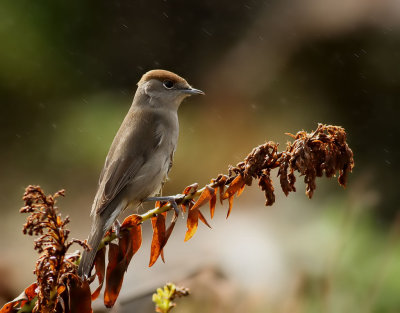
117 228
171 199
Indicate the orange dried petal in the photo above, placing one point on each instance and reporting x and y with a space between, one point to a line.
230 200
234 187
100 266
203 219
213 202
158 238
192 222
205 196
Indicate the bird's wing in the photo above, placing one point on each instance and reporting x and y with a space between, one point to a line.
120 168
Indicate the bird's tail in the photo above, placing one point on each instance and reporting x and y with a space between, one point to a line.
99 228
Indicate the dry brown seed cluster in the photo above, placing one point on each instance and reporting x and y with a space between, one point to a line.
56 273
311 154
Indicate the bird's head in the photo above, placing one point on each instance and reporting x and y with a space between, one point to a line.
164 88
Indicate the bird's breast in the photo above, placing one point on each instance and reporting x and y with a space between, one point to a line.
150 177
153 173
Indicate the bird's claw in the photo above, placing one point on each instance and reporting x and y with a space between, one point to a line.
171 199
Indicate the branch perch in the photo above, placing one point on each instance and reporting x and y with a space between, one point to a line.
323 151
311 154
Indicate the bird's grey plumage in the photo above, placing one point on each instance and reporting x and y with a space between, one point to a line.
147 136
140 156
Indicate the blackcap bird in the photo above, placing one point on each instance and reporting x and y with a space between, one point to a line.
140 155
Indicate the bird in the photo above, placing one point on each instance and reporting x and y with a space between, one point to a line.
140 156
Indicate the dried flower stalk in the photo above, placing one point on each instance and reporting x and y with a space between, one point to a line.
58 287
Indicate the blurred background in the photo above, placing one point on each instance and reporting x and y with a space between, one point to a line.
67 77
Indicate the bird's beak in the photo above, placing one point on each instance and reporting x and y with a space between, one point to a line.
193 91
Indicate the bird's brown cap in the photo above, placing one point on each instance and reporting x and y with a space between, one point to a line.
161 75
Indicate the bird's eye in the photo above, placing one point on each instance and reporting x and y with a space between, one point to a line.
168 84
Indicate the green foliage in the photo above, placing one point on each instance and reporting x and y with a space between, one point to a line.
163 299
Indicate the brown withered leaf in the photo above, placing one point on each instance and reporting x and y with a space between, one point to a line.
131 220
292 180
192 222
168 232
265 184
241 189
79 296
260 157
113 284
310 182
221 193
27 295
162 246
119 257
183 206
9 307
157 242
230 202
131 237
213 202
130 242
203 219
286 181
30 292
190 189
61 289
171 227
221 180
324 150
206 196
234 187
347 167
100 265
